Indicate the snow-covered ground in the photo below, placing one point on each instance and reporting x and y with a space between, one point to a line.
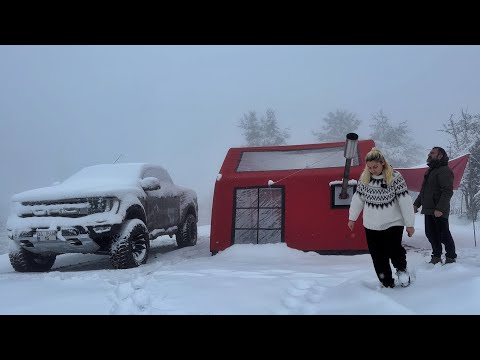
247 279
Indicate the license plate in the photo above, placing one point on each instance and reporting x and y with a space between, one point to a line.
46 235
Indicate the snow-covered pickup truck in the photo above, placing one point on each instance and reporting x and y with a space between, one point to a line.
111 209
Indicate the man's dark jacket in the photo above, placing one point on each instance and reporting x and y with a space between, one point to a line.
437 188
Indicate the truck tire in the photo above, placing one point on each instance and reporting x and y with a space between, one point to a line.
130 248
26 261
187 232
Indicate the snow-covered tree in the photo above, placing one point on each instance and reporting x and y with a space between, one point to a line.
464 137
337 126
473 182
251 128
395 142
263 132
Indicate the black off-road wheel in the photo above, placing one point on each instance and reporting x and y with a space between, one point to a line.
187 233
130 248
25 261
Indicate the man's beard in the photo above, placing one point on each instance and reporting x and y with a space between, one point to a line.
433 162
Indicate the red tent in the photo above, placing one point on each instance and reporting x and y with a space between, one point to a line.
290 194
414 176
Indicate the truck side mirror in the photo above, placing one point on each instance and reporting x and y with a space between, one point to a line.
150 183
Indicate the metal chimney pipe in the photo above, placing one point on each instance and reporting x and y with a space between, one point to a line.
349 153
350 146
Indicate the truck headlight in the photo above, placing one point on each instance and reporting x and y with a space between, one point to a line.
102 204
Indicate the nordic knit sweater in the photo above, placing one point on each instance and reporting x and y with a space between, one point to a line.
383 207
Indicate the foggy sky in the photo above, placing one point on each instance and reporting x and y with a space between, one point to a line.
66 107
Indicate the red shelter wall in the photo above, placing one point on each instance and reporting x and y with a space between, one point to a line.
310 223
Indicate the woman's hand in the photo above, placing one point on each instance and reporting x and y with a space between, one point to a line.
410 231
351 224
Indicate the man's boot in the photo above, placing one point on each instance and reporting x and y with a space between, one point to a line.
435 260
449 260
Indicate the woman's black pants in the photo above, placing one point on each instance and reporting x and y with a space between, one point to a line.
386 246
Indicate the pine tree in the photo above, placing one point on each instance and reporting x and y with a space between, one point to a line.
263 132
394 141
251 128
272 135
473 181
464 136
337 126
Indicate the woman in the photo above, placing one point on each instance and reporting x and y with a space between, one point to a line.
387 207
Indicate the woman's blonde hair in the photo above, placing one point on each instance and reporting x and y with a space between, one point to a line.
376 155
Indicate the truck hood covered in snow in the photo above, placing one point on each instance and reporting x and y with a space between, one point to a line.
80 189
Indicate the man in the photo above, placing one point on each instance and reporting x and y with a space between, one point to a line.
434 198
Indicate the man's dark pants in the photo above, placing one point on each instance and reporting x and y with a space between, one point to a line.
438 232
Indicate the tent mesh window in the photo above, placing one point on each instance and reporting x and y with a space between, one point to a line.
258 215
293 159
